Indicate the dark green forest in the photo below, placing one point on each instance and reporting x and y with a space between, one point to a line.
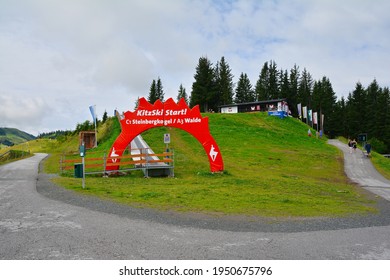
365 110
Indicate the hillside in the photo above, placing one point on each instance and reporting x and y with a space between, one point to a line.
272 168
13 136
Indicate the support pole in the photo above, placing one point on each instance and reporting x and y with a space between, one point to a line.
83 162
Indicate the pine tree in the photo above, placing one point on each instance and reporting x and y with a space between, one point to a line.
156 91
244 90
374 110
105 116
153 93
285 87
267 86
136 103
224 84
323 102
305 88
339 127
385 111
273 82
356 113
293 98
203 89
182 94
159 90
261 88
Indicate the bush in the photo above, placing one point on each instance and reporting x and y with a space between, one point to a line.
14 154
378 146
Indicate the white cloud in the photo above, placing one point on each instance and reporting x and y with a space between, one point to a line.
67 55
16 109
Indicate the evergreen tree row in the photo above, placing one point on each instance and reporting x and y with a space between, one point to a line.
366 110
156 91
213 86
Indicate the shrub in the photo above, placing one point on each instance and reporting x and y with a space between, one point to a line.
378 146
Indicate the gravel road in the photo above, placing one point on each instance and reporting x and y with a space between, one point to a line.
39 220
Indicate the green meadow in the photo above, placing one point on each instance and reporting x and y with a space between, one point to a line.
272 169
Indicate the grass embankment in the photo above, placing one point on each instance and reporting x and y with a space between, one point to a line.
9 155
272 168
382 164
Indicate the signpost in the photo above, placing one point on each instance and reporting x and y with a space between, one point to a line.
82 154
167 138
167 141
362 137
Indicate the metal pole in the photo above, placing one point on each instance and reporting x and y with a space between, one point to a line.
95 135
83 161
95 122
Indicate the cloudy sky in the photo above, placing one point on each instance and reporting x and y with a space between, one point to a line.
59 57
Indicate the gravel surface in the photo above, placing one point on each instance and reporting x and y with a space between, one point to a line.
225 223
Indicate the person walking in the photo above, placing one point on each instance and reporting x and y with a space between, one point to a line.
350 145
354 145
368 149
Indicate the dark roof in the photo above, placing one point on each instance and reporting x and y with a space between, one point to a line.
254 103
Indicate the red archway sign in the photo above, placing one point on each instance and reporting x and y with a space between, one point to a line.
170 114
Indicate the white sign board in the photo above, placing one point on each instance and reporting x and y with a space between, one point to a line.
167 138
229 110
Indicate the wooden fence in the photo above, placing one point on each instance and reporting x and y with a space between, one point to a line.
143 160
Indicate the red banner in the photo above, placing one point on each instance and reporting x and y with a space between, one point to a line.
170 114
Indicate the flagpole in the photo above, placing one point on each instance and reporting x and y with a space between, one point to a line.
93 113
95 126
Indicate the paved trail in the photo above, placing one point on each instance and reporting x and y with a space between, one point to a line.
36 226
360 170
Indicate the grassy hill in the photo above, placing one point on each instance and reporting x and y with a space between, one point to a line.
13 144
13 136
272 168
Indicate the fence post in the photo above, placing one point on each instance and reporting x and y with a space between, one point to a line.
61 164
146 163
173 163
104 163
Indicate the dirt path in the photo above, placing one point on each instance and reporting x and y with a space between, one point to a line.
361 171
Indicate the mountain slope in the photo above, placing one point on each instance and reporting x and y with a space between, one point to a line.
13 136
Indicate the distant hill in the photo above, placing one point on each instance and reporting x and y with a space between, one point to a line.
13 136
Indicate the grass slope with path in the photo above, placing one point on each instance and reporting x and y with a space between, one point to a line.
272 169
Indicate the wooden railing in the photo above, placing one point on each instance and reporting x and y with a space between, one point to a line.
138 161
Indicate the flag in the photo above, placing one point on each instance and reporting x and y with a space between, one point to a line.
93 113
309 114
304 109
315 117
299 109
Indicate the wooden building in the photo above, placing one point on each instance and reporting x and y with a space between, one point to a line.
89 139
257 106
